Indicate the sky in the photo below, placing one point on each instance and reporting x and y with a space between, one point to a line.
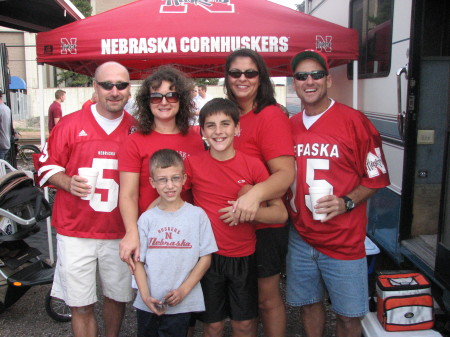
288 3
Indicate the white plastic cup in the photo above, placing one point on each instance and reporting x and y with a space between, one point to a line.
315 193
91 175
162 308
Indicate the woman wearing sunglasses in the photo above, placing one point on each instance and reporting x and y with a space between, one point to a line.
163 110
265 133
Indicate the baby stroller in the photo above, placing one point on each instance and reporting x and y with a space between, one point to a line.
22 206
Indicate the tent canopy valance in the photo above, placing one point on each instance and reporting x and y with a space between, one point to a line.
194 35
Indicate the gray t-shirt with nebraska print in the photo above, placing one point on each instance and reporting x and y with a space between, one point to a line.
171 244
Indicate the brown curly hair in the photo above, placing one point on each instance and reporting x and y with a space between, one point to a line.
180 83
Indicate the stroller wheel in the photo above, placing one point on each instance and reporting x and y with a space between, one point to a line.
57 309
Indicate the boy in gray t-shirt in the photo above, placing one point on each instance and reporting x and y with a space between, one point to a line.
176 242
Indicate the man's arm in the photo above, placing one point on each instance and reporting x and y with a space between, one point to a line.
334 205
56 120
75 185
175 297
129 210
273 213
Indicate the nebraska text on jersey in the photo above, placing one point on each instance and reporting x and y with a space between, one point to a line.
155 243
316 150
374 164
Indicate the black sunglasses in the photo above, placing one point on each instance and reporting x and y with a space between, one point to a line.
316 75
109 85
171 97
247 73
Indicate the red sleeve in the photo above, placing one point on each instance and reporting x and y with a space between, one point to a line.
370 157
87 103
186 193
130 156
57 113
187 168
55 110
275 135
55 154
260 172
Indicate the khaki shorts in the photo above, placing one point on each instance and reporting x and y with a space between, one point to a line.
76 271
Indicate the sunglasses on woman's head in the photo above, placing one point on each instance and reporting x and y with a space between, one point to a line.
171 97
110 85
247 73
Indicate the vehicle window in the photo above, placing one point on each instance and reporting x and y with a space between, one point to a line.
373 21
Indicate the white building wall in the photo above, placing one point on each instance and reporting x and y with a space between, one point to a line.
75 97
335 11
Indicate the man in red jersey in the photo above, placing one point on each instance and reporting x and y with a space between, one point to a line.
337 147
89 231
55 111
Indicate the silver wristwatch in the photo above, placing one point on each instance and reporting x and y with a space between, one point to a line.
349 204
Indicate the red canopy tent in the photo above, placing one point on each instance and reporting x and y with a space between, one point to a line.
194 35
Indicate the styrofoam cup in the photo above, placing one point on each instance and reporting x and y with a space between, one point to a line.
315 193
91 175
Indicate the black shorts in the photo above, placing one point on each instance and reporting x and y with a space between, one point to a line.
271 250
230 289
193 320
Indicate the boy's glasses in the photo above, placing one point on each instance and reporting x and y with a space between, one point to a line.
171 97
162 181
247 73
315 75
110 86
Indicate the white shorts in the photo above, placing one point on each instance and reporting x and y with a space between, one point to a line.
76 271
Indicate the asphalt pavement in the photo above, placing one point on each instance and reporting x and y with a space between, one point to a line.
28 318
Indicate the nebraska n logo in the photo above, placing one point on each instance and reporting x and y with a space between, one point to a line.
211 6
68 46
324 44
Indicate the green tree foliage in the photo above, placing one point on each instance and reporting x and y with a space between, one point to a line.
70 78
83 6
301 7
206 81
384 13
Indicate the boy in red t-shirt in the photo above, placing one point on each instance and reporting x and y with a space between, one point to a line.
216 177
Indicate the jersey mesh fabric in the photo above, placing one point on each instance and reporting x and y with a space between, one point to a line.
79 141
343 149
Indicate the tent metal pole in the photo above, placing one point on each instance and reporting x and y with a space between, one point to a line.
41 105
355 85
42 123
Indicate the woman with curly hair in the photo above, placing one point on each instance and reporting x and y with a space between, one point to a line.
266 134
163 110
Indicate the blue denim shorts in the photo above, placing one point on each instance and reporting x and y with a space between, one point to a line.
310 273
151 325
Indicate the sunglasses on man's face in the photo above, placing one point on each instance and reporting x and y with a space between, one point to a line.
171 97
110 86
247 73
315 75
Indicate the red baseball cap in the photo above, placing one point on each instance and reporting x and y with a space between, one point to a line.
310 54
